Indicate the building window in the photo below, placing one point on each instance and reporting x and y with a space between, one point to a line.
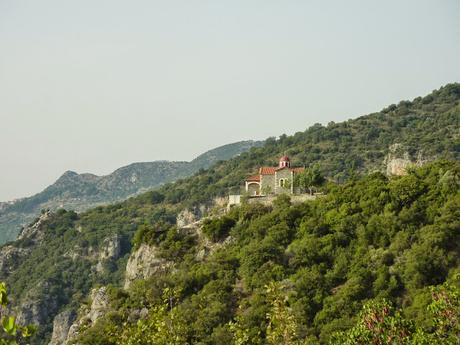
282 182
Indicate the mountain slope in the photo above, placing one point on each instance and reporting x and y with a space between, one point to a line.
296 274
361 241
82 191
415 131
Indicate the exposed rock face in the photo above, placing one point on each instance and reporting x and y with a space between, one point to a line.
144 263
398 166
10 258
34 231
61 326
74 330
99 307
138 314
398 161
11 255
206 247
185 218
110 250
220 202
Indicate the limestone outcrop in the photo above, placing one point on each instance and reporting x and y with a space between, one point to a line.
10 257
185 218
34 231
144 263
110 250
61 326
89 314
398 160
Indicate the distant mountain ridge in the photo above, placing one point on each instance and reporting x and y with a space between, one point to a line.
82 191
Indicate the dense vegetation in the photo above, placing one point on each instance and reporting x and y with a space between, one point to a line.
370 238
317 263
60 271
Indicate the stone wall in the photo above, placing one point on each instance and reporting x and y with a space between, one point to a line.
267 184
295 199
283 174
233 200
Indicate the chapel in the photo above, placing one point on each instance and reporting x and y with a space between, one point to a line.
273 180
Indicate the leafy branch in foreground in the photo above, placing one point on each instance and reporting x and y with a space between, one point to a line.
281 323
162 327
445 309
380 324
11 333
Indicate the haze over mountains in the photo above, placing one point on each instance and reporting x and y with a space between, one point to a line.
79 192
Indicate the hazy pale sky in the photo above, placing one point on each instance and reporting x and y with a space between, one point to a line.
94 85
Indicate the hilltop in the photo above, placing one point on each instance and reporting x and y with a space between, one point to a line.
372 236
80 192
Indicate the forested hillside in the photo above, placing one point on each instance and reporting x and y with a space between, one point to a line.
310 266
370 237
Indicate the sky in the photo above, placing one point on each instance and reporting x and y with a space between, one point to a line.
92 85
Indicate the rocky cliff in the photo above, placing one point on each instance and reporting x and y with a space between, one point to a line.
66 328
398 160
61 326
144 263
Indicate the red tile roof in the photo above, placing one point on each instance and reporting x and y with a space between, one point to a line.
271 171
254 178
267 170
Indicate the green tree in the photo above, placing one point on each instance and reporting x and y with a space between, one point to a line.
282 326
445 308
379 324
162 327
217 228
309 178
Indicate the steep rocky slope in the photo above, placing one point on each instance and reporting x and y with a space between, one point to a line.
82 191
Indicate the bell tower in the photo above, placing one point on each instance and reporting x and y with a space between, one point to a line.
285 162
